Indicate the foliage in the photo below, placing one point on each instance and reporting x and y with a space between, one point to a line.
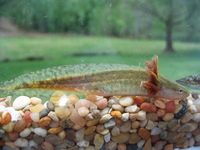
94 17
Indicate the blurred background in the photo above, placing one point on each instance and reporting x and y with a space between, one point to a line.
45 33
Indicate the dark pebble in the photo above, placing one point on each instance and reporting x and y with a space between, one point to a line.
53 139
132 146
38 139
44 112
195 95
181 113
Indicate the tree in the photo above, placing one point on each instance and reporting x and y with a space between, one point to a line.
171 13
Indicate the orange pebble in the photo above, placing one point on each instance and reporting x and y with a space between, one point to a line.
6 118
139 100
116 114
161 112
144 133
170 106
27 117
148 107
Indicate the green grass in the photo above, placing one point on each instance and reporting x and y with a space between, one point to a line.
61 50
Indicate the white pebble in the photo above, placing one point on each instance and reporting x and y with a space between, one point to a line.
105 118
15 115
193 109
9 109
141 115
126 101
132 109
40 131
32 143
196 117
118 107
2 108
35 116
125 117
141 143
83 143
20 102
53 116
64 101
107 138
105 111
83 111
21 142
26 132
156 131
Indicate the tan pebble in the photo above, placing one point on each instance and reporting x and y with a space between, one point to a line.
104 132
105 118
116 114
118 107
56 96
168 147
159 103
89 117
134 138
152 116
121 146
89 137
44 122
11 145
98 141
73 99
168 117
90 130
126 101
147 145
53 116
62 134
135 124
150 125
82 103
188 127
186 118
9 127
20 125
115 131
62 112
92 122
47 146
90 147
122 138
35 100
6 118
100 128
55 130
125 127
37 108
144 133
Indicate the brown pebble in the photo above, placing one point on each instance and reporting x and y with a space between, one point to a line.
92 122
147 145
122 138
19 125
168 147
55 130
47 146
70 134
90 130
2 143
144 133
6 118
155 138
44 122
134 138
53 139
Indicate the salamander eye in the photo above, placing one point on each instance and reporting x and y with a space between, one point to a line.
180 91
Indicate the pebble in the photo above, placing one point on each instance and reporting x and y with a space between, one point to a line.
150 125
170 106
77 120
35 116
13 136
102 103
83 111
20 102
144 133
37 108
44 112
82 103
122 138
126 101
53 139
27 117
161 113
148 107
168 117
104 132
19 125
111 146
35 100
134 138
5 118
62 112
188 127
125 117
186 118
141 115
116 114
92 122
125 127
9 127
156 131
62 134
135 124
40 131
64 101
83 143
140 144
107 137
70 134
1 133
21 142
44 122
15 115
105 111
47 146
90 130
196 117
147 145
79 134
89 117
98 141
50 106
96 113
159 103
55 130
193 109
152 116
118 107
26 132
111 123
73 99
53 116
121 146
132 109
115 131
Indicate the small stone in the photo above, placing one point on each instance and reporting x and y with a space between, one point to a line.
141 115
159 145
19 125
132 109
150 125
83 143
115 131
152 116
134 138
147 145
64 101
47 146
62 112
70 134
104 132
35 116
50 106
148 107
40 131
73 99
111 145
44 122
82 103
178 108
196 117
161 113
168 147
105 111
135 124
140 144
44 112
20 102
118 107
159 103
96 113
126 101
89 137
56 96
170 106
53 116
62 134
98 141
92 122
186 118
90 130
38 139
116 114
1 133
168 117
37 108
13 136
105 118
79 134
156 131
155 138
107 137
109 124
190 142
197 138
55 130
102 103
144 133
125 127
188 127
35 100
9 127
121 146
122 138
53 139
21 142
27 117
77 120
6 118
125 117
174 122
83 111
32 143
193 109
89 117
26 132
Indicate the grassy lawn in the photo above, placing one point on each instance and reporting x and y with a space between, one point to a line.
25 54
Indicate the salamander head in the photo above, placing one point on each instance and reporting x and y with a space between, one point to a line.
171 90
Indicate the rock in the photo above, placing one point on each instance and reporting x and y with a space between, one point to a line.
62 134
126 101
132 109
105 111
47 146
193 109
104 132
168 117
148 107
1 133
83 143
105 118
62 112
32 143
173 123
26 132
125 117
188 127
122 138
140 144
53 116
196 117
44 122
107 137
89 117
40 131
159 103
115 131
35 100
79 134
161 113
83 111
64 101
38 139
77 120
89 137
111 145
50 106
111 123
37 108
102 103
55 130
144 133
168 147
35 116
82 103
9 127
155 138
20 102
15 115
100 128
6 118
73 99
19 125
147 145
53 139
27 117
13 136
92 122
70 134
150 125
141 115
170 106
125 127
156 131
116 114
197 138
186 118
44 112
163 125
121 146
98 141
118 107
21 142
134 138
159 145
90 130
96 113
